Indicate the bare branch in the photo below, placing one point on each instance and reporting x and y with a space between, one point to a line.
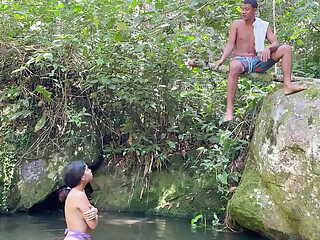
316 28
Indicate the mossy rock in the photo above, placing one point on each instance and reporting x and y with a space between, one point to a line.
171 192
37 178
279 193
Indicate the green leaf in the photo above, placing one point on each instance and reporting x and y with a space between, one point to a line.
41 122
18 16
171 144
196 219
223 178
134 3
300 42
48 56
44 92
23 113
13 92
190 38
60 5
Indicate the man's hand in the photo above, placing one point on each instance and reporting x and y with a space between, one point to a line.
217 64
91 214
192 62
266 54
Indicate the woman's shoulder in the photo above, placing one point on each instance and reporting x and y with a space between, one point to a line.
76 194
76 199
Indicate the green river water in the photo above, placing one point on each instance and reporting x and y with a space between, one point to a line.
111 227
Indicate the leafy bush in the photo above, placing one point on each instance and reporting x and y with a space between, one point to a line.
116 69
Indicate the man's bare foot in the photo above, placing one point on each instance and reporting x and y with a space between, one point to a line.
290 89
228 117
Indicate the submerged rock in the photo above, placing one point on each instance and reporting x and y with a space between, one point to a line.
279 195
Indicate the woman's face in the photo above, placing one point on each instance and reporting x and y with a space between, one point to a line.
87 174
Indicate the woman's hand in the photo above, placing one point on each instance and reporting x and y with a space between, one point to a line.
91 214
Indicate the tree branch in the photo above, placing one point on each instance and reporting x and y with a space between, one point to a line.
316 28
263 76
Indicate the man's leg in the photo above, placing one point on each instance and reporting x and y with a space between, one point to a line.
235 70
284 53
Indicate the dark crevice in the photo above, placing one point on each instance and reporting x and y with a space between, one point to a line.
50 203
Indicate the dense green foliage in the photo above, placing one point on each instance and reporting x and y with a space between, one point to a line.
299 24
75 70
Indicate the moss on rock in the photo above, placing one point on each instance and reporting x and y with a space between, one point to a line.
170 193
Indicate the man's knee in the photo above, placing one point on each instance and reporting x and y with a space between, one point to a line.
236 67
286 48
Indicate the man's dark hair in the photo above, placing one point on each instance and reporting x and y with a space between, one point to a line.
253 3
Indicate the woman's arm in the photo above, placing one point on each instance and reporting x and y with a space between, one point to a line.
89 213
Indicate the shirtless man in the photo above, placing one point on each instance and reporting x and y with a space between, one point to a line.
81 216
241 43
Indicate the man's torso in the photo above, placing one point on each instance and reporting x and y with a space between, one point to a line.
244 43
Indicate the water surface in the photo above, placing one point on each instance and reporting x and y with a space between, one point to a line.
111 226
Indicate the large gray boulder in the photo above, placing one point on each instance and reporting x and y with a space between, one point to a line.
39 176
279 195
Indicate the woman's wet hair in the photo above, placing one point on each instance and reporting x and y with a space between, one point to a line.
63 193
73 173
72 177
253 3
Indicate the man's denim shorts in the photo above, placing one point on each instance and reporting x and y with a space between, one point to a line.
255 64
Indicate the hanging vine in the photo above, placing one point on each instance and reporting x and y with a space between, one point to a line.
7 168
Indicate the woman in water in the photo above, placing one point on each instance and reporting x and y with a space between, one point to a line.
81 216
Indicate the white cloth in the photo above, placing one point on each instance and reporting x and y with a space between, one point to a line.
260 28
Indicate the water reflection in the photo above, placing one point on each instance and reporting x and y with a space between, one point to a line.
119 227
142 228
25 227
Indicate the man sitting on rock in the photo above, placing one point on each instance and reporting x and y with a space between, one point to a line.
246 42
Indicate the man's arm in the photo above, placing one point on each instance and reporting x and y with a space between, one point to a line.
230 44
266 53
